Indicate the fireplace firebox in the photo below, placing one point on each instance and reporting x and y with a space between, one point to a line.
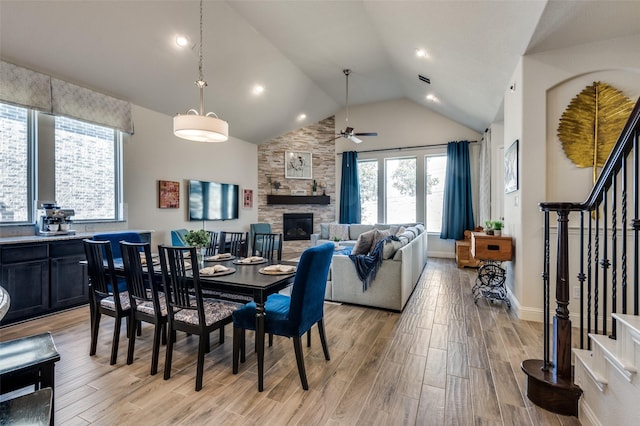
297 226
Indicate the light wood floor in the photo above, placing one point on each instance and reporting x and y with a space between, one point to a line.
443 361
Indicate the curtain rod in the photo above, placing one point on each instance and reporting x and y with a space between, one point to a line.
405 147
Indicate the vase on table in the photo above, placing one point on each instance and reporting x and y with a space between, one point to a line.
201 252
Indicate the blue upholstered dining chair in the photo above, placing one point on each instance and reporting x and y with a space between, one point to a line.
291 316
177 237
258 228
115 238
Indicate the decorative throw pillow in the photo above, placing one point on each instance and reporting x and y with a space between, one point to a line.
364 242
379 235
390 248
400 231
324 231
338 230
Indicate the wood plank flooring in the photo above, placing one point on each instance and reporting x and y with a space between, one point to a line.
443 361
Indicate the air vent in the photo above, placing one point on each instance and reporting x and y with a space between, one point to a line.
423 78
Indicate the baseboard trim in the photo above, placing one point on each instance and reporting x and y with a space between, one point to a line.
441 254
586 415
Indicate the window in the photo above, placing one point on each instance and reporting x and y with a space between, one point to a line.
435 168
86 169
400 189
15 182
368 178
84 160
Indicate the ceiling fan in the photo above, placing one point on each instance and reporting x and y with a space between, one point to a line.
348 132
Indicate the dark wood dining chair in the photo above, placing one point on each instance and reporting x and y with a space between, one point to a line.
291 316
188 310
268 246
105 297
233 242
147 302
212 248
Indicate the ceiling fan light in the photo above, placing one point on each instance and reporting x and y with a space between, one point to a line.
200 128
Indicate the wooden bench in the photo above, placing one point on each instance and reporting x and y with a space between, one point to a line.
28 361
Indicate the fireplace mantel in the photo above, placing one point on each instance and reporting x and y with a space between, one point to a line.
298 199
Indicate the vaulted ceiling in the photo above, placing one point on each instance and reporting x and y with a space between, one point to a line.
297 50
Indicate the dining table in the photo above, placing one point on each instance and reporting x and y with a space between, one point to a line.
248 280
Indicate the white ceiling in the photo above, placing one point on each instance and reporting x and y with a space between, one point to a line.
297 51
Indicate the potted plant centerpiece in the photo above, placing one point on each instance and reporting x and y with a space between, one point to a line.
200 240
314 188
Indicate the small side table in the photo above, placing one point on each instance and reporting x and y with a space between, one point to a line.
492 251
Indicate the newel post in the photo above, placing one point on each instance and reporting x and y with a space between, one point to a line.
561 321
550 385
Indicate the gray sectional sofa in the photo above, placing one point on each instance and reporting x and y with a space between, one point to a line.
395 279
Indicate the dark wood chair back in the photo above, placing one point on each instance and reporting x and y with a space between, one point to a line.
138 270
233 242
268 246
212 248
100 269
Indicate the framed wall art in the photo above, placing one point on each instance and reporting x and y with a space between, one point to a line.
511 168
247 198
168 194
297 165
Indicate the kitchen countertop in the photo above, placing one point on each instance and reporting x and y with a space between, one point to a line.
77 236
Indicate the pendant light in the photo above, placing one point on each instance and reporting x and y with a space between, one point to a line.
196 125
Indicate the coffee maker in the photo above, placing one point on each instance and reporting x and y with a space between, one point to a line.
53 220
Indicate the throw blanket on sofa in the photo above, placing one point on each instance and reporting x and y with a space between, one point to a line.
367 264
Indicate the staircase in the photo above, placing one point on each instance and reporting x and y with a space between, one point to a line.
608 376
602 387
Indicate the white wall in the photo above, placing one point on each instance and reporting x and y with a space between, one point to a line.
403 123
528 118
153 153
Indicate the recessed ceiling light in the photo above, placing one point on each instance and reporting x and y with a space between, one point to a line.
258 89
182 41
432 98
421 53
302 117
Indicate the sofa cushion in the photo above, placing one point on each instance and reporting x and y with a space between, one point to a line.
364 242
355 229
420 228
339 231
377 236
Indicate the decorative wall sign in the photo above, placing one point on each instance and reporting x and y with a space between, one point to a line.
168 194
511 168
590 126
247 198
297 165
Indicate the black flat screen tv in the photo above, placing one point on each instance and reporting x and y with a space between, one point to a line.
213 201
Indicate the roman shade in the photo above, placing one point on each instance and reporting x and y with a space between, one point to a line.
24 87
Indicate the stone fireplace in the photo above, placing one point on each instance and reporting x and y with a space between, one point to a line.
297 226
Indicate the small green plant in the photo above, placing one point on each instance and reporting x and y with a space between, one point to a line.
488 225
497 225
336 239
314 186
199 238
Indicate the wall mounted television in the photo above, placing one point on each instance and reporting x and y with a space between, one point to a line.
213 200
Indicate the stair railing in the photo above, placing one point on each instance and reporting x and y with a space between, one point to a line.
605 264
